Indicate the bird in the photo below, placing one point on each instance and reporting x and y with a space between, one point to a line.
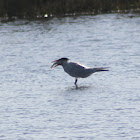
76 70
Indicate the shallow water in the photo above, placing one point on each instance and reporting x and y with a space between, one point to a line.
37 102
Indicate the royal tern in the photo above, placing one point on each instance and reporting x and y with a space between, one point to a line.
75 69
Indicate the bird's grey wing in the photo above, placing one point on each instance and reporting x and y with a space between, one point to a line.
76 66
76 70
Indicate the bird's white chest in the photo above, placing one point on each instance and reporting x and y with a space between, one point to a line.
68 68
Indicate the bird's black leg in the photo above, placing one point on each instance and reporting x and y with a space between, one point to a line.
76 82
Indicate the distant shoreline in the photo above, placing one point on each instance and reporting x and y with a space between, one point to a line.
38 9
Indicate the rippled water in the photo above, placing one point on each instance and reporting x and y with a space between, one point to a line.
37 102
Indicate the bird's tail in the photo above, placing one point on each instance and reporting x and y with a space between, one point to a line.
100 69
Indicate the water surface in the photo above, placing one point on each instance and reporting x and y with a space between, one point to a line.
37 102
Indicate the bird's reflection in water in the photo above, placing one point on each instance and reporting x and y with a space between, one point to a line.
79 88
82 87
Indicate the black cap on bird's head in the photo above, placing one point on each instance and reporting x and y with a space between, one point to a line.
63 59
59 62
